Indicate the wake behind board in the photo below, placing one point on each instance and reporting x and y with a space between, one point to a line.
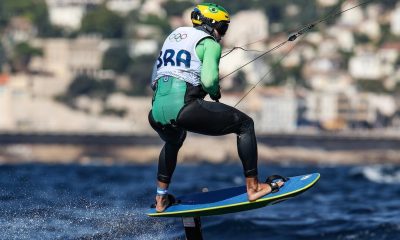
234 199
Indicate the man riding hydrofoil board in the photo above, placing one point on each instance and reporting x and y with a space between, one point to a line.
185 72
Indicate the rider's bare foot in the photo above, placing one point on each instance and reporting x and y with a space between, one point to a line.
162 202
256 190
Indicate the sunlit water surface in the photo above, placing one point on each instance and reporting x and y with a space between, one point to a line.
102 202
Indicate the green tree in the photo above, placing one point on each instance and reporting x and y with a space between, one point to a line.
277 76
389 4
176 8
103 21
23 52
34 10
81 85
140 74
131 20
114 112
239 82
158 22
86 85
362 39
117 59
3 58
396 90
235 6
371 86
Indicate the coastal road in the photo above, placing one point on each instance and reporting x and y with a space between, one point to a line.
328 141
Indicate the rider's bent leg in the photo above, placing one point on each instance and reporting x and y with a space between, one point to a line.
216 119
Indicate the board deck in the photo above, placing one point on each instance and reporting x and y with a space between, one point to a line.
233 199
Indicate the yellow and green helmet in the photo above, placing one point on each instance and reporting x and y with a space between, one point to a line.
211 15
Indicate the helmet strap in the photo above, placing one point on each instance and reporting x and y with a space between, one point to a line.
208 29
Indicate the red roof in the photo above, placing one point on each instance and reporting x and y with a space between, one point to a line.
3 79
391 45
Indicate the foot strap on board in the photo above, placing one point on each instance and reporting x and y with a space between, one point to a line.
272 182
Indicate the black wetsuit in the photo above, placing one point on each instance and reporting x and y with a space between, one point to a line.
209 118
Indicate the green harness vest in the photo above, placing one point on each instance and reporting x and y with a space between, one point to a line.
169 98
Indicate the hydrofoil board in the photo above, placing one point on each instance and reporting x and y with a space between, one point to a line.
233 199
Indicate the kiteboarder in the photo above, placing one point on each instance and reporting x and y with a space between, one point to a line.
184 73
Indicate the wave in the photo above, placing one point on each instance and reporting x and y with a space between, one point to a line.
385 174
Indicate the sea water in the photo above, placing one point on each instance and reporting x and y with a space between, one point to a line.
109 202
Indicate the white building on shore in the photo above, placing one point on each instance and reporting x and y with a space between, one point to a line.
327 3
321 107
278 111
123 6
355 18
395 21
65 58
21 110
69 13
366 66
246 27
69 17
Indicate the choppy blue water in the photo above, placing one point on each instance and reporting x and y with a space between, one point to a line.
100 202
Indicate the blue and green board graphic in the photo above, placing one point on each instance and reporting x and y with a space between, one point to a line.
234 199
